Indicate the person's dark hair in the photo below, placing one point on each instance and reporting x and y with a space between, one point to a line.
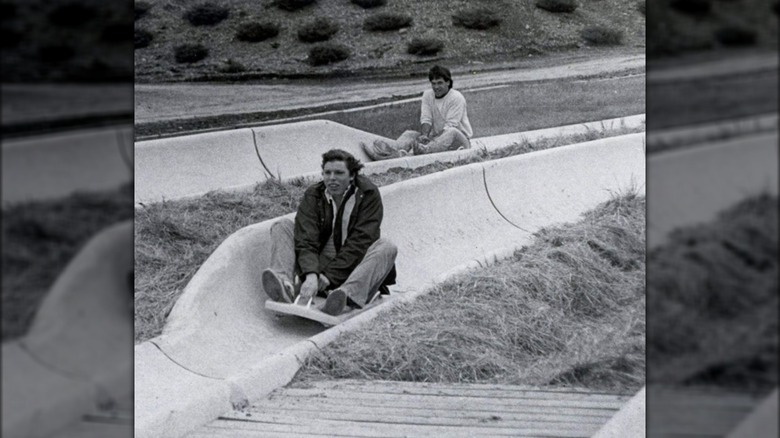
353 164
439 72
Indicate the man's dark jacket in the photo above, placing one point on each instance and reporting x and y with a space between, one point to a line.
313 227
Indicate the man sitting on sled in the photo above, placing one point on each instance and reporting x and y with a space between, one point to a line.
333 248
444 123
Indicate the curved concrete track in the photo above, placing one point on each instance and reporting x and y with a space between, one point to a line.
193 165
691 186
218 330
55 165
77 354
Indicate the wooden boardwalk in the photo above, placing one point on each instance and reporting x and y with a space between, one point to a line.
348 408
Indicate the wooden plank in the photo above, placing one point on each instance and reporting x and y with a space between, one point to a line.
466 419
464 392
350 398
390 385
379 429
307 405
441 407
222 431
328 411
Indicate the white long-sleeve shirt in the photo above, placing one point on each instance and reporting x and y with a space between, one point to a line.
447 112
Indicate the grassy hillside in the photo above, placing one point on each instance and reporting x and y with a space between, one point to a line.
519 29
66 40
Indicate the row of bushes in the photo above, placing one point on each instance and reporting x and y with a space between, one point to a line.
328 53
210 14
320 54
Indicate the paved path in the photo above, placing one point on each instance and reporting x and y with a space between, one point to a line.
401 409
42 103
181 101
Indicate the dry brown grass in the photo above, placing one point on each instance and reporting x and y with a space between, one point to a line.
40 238
567 310
713 301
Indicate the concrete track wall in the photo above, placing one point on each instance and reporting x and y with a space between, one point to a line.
188 166
56 165
691 186
77 354
218 329
192 165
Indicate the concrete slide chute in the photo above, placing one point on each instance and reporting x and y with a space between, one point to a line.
585 174
692 185
296 148
77 352
51 166
219 329
192 165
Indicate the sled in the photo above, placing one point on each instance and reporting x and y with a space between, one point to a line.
311 310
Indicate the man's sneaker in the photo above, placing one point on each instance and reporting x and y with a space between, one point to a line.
336 302
278 288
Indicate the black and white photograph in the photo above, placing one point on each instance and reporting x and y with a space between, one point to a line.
388 218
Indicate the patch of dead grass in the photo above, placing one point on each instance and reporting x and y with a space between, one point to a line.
713 301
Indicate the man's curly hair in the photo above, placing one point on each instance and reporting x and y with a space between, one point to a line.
353 164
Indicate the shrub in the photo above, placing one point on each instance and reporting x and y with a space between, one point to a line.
386 21
293 5
116 32
56 53
232 66
142 38
71 14
368 4
424 46
141 8
476 18
321 29
327 53
602 36
190 53
258 31
557 5
206 14
641 6
696 8
736 36
776 8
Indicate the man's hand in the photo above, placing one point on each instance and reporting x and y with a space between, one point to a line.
308 288
323 282
424 139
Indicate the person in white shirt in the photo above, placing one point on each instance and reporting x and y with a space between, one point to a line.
444 123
